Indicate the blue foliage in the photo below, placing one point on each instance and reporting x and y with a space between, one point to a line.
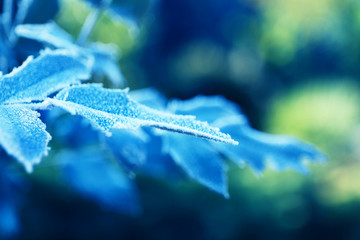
202 159
199 159
128 146
105 56
38 78
111 108
54 79
23 135
255 148
88 173
124 11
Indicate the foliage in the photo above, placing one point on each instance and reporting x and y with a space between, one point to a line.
53 79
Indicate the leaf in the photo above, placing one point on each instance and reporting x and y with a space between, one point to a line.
23 8
257 149
260 149
149 97
158 163
89 173
23 135
199 159
36 78
106 62
49 33
128 147
209 108
110 108
105 55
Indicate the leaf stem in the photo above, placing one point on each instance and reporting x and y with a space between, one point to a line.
7 15
90 22
88 26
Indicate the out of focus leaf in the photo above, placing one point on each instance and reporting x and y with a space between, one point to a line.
129 147
199 159
91 175
48 33
149 97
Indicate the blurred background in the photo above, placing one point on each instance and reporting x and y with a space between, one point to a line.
293 67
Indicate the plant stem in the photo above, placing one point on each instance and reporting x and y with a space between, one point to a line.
90 22
23 8
7 15
88 26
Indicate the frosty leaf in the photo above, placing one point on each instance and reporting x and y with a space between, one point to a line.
199 159
36 78
48 33
259 150
110 108
105 55
91 175
23 135
255 148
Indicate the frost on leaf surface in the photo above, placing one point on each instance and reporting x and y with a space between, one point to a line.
110 108
38 77
48 33
105 55
257 149
261 150
23 135
90 174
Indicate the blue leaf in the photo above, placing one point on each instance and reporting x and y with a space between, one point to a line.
149 97
208 108
23 135
91 175
255 148
260 149
70 131
105 55
39 77
110 108
199 159
106 62
129 147
158 163
48 33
